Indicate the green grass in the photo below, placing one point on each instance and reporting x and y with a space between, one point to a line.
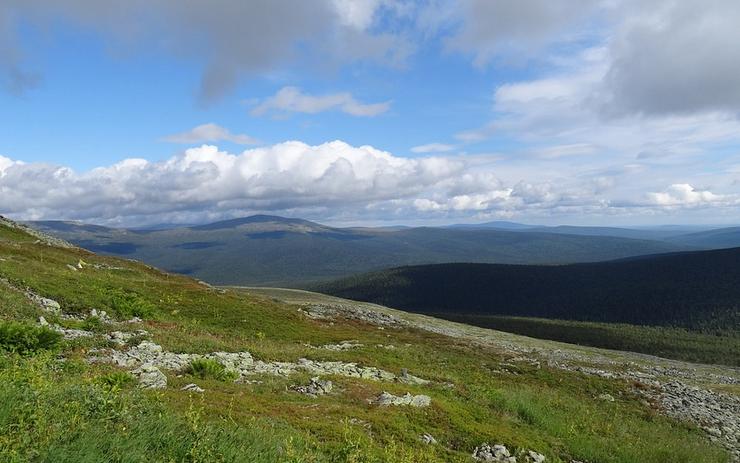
69 411
210 369
25 339
676 343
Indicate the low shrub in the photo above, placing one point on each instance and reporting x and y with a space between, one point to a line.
116 380
210 369
25 339
129 304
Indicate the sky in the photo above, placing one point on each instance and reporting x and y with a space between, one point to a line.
371 112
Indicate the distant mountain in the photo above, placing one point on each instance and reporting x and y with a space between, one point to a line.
498 224
641 233
269 250
690 289
718 238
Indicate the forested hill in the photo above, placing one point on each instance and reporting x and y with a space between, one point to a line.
695 290
276 251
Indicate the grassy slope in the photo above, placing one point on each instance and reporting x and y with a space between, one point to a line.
58 411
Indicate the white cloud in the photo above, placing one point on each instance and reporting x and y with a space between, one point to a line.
685 195
338 180
292 99
433 148
210 133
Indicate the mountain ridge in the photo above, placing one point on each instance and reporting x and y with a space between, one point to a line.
274 251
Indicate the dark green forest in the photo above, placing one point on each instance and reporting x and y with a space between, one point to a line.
694 290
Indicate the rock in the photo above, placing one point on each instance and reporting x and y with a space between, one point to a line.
49 305
385 399
315 387
134 320
428 439
43 322
344 345
351 312
233 361
102 315
495 453
192 387
240 362
72 333
72 267
121 338
605 397
150 377
530 456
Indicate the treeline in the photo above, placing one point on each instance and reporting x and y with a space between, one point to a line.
694 290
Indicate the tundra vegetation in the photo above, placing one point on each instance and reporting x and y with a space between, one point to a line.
56 405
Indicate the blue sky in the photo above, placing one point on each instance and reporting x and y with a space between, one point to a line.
444 111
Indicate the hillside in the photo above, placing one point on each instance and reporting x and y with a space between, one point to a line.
695 290
268 250
103 359
719 238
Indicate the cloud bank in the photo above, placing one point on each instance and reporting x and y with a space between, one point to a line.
334 180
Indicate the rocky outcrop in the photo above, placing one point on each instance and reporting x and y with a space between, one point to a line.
342 346
243 364
495 453
315 387
150 377
350 312
386 399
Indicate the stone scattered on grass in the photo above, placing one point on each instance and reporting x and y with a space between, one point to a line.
315 387
428 439
192 387
495 453
386 399
342 346
605 397
150 377
243 364
121 338
530 456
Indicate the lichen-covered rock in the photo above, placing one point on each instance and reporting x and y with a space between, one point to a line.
387 399
495 453
150 377
315 387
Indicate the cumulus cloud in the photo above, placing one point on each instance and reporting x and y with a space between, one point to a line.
685 195
230 39
433 148
292 99
209 133
326 181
